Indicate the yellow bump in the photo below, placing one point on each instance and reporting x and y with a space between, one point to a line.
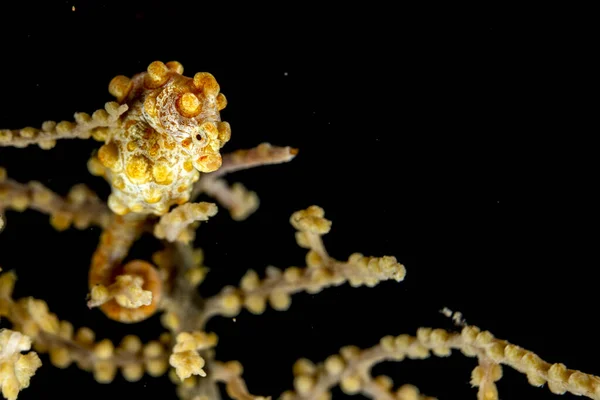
186 142
104 371
170 321
85 336
119 183
137 207
60 357
210 129
131 343
183 199
100 133
104 349
157 75
100 116
28 132
113 108
154 149
47 144
61 220
304 384
208 163
108 155
188 105
162 173
49 126
131 145
153 349
224 132
120 86
116 205
161 208
350 384
195 275
156 367
64 127
175 66
133 372
334 364
138 169
221 101
95 167
231 303
150 106
188 166
152 196
207 83
42 196
280 300
169 144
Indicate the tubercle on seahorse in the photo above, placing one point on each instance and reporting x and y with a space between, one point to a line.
170 133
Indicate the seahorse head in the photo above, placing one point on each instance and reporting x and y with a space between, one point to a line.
171 132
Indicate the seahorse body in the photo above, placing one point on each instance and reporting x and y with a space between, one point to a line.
171 132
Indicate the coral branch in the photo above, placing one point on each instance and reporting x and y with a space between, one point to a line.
263 154
80 208
278 286
178 223
474 342
321 273
240 201
230 373
84 127
311 225
183 269
351 370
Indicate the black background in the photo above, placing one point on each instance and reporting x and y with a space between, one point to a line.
438 136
